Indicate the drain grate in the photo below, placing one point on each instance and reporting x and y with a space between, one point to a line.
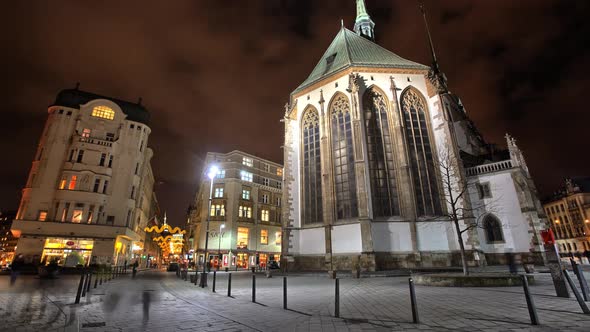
96 324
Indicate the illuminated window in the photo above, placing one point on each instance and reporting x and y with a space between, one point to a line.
247 161
72 185
62 183
217 210
242 241
218 192
86 132
245 212
246 194
42 215
279 171
312 186
77 216
90 214
278 238
103 112
246 176
263 236
264 215
221 174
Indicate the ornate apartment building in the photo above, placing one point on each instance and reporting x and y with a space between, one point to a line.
245 212
569 213
90 188
367 136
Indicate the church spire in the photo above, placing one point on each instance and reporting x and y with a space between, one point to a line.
363 25
435 75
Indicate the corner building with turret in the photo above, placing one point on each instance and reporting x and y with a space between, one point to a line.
90 188
366 136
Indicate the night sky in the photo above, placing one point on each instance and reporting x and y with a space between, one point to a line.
215 75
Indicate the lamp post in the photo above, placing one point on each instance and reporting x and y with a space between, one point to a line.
213 170
222 226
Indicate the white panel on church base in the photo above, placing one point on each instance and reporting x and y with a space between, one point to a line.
312 241
347 239
391 236
434 236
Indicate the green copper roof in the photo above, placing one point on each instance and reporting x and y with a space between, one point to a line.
348 50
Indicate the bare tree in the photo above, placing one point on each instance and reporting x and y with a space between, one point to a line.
460 210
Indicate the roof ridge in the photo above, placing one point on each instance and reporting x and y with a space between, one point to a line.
346 46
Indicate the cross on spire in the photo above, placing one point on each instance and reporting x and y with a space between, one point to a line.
363 25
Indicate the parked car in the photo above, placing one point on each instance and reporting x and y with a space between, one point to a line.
173 267
273 265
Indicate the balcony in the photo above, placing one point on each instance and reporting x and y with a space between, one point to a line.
489 168
96 141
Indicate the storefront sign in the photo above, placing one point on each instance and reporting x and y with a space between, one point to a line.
70 243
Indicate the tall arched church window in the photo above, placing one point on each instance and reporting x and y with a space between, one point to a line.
343 157
312 171
420 153
493 229
380 152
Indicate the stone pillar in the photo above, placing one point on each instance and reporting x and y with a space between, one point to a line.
288 210
362 187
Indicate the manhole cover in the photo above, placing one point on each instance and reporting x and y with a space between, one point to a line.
96 324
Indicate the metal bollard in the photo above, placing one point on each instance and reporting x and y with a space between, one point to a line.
80 285
229 285
214 278
529 302
415 317
96 280
337 298
101 275
85 283
89 282
285 293
253 288
576 293
583 284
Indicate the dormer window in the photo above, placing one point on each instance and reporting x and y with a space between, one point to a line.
103 112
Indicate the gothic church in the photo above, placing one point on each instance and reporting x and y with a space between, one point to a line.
366 135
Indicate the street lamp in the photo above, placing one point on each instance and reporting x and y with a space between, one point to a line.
212 173
222 226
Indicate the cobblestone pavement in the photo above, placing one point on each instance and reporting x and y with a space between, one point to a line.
158 301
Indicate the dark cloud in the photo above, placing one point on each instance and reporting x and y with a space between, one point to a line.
216 74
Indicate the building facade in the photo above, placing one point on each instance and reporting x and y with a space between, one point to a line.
90 183
569 213
367 136
7 240
245 213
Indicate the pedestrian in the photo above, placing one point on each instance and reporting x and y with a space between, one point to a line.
135 264
15 268
125 266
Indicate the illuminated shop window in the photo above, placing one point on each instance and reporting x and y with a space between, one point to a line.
263 236
72 185
103 112
42 215
242 241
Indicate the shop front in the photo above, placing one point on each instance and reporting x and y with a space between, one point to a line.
67 252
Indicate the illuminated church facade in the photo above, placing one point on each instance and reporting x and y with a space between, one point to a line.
367 136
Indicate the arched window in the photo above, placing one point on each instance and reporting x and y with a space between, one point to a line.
380 152
343 157
104 112
420 153
312 171
493 229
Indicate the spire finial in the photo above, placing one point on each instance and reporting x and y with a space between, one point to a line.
165 218
363 25
432 53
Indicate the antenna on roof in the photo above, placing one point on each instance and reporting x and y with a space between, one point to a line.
77 85
341 23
